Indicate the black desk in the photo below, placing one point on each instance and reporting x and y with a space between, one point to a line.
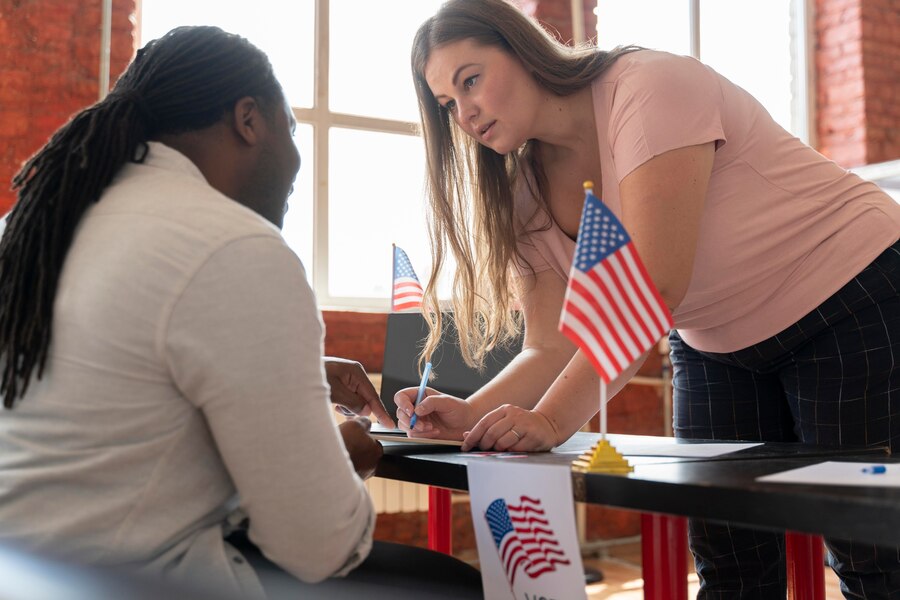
723 488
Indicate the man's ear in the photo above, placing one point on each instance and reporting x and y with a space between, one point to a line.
247 120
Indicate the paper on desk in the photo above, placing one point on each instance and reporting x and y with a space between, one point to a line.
402 438
679 450
839 473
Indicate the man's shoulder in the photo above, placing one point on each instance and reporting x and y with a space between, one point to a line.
175 203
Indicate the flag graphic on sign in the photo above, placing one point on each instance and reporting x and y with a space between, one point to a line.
406 292
612 310
524 538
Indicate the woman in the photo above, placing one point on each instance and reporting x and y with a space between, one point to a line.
779 266
162 349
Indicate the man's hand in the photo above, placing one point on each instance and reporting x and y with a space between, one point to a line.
364 451
351 391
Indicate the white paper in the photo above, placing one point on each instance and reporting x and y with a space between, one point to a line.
678 450
543 494
839 473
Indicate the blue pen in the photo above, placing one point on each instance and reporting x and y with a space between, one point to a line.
875 469
421 394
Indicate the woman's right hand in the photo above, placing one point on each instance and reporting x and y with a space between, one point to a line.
440 416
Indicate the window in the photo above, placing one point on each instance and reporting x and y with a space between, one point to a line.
361 183
759 45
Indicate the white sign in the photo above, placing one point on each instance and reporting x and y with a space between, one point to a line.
524 522
841 473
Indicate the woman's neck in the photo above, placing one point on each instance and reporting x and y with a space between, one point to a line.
566 126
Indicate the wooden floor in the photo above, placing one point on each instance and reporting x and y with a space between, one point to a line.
621 568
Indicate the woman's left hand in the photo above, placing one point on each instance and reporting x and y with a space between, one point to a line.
351 391
512 428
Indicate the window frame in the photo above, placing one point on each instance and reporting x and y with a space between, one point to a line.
803 101
322 119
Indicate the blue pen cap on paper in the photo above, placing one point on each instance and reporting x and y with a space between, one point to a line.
875 469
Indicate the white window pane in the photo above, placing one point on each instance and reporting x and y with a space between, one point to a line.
283 29
655 24
298 222
750 44
376 197
370 47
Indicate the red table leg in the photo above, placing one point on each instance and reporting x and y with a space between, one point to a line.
439 520
664 557
805 566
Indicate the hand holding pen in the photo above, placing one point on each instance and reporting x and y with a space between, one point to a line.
426 373
439 416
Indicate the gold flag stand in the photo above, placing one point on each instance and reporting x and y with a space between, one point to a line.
602 458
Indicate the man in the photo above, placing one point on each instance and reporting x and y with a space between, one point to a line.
161 348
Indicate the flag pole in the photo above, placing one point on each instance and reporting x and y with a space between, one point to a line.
393 272
602 409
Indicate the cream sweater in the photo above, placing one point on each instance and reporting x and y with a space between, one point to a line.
184 381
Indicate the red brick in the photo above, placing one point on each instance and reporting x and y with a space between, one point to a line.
357 336
13 124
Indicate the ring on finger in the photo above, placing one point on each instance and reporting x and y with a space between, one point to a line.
516 433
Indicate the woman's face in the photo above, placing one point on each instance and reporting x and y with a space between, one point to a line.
487 92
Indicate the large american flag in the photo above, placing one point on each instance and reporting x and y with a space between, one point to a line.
407 291
524 538
612 310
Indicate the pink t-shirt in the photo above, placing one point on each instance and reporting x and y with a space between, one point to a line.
783 227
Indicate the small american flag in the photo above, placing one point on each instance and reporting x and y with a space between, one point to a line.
406 293
612 310
524 538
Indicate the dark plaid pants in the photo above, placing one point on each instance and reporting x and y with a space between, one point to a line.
831 379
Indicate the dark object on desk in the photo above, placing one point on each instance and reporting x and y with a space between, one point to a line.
406 333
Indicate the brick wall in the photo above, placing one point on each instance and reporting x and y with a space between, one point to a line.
881 76
49 64
357 336
858 80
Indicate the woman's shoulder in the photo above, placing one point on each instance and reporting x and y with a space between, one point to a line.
648 66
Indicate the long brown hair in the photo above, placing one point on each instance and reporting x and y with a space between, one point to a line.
470 187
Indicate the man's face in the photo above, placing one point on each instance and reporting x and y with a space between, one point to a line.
277 166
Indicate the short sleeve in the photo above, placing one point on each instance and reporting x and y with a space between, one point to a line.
662 102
